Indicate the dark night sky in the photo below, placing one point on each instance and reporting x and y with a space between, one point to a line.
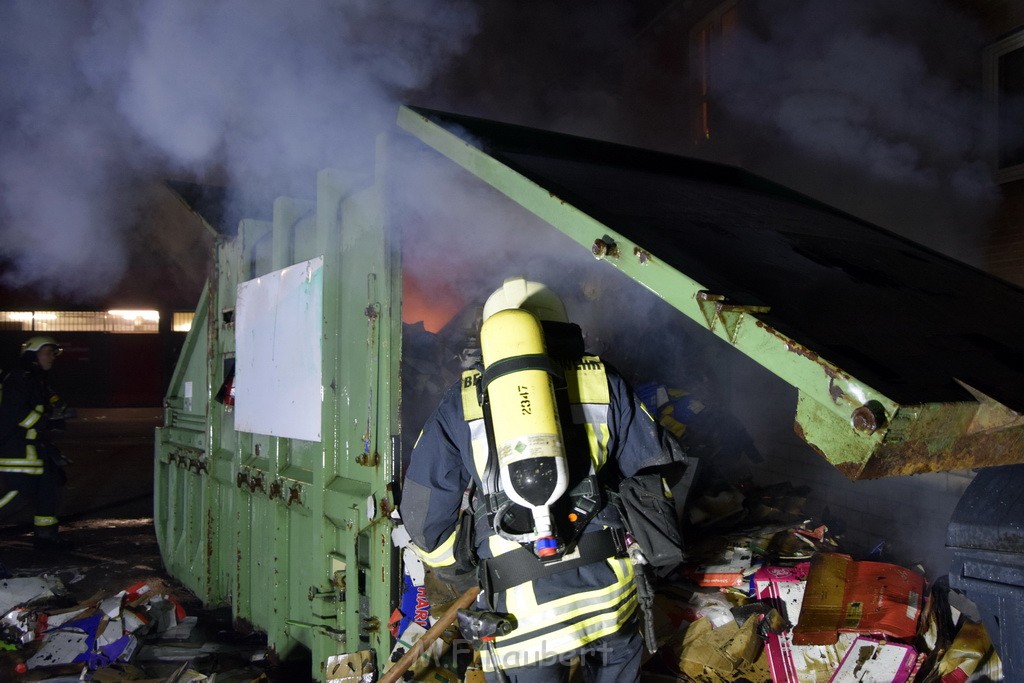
865 105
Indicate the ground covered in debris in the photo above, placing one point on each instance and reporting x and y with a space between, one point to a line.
107 602
767 595
107 606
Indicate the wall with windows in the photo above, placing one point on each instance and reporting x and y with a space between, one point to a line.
44 322
111 359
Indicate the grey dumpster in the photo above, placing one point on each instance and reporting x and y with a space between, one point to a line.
986 536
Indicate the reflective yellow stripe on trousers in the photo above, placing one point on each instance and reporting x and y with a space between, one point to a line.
8 497
442 556
21 465
562 625
32 417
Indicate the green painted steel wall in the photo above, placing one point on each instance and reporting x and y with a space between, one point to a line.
294 535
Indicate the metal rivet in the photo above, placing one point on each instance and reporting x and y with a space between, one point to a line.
868 418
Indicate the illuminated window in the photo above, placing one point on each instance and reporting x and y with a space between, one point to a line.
67 321
705 40
133 321
1004 67
15 320
122 321
182 321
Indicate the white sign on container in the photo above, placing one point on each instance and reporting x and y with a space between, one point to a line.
278 331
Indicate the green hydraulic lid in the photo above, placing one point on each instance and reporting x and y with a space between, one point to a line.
905 360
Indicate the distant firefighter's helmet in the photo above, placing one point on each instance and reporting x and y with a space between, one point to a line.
33 344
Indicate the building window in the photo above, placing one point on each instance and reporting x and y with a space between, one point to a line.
706 39
182 321
1004 67
120 321
133 321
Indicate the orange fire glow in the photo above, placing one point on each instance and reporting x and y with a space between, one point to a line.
433 305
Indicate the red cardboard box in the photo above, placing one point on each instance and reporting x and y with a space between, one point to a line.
873 598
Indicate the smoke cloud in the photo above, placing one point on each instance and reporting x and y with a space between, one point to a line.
869 106
103 98
880 99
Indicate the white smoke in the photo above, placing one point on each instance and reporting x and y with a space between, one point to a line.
102 97
861 103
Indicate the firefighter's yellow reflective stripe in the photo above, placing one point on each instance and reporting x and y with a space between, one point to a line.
45 521
587 381
21 462
20 470
31 435
500 546
567 623
521 600
441 556
646 411
546 647
598 436
30 453
8 497
32 417
30 462
471 409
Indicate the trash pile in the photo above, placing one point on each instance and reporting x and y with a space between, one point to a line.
766 594
784 604
414 616
140 633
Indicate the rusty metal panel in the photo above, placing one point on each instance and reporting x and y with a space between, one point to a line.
905 360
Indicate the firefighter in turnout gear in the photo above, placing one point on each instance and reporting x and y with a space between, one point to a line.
538 438
30 466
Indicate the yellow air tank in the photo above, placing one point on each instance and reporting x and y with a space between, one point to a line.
531 455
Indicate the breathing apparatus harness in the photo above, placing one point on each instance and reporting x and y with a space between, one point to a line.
535 471
527 468
586 497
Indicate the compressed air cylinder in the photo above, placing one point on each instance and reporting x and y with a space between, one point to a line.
531 455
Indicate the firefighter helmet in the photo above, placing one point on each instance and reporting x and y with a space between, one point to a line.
33 344
518 292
